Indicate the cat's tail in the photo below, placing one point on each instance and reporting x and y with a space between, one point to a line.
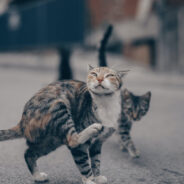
103 44
12 133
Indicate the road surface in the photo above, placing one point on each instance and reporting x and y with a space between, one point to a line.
159 135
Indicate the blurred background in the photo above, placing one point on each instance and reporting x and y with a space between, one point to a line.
146 32
45 40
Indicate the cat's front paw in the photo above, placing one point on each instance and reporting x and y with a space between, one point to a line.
88 181
106 133
94 129
40 177
90 132
100 180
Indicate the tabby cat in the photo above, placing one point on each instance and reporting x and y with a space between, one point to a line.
132 107
71 113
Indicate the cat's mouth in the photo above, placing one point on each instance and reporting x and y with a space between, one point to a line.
100 86
101 90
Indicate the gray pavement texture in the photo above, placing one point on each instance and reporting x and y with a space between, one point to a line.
159 136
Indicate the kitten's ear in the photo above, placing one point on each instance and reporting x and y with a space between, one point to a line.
90 67
122 73
148 95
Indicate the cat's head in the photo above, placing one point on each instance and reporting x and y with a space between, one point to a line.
103 80
135 106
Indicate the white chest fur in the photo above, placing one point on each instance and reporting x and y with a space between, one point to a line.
108 108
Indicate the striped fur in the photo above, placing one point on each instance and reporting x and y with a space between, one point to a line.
133 109
65 112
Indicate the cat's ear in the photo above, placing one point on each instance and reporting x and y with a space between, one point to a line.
90 67
148 95
122 73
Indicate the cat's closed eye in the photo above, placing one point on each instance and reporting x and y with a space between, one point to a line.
110 75
94 74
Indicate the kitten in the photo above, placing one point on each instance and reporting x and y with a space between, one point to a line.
70 113
132 107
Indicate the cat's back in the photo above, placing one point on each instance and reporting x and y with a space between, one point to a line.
40 109
60 90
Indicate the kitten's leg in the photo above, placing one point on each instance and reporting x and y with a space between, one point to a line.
95 155
81 158
126 140
132 150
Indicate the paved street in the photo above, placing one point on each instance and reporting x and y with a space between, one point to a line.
159 136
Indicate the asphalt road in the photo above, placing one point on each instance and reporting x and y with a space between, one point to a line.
159 136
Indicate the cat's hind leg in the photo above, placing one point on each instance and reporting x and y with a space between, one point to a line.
34 152
31 158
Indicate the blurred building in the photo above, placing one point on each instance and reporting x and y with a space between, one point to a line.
112 10
171 38
27 25
151 30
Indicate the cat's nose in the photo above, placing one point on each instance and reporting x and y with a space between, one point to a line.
100 80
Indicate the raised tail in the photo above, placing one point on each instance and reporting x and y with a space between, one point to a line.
103 44
9 134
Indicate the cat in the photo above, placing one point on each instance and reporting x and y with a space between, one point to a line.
71 113
133 107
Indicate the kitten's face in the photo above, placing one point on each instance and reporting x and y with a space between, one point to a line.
103 80
136 106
